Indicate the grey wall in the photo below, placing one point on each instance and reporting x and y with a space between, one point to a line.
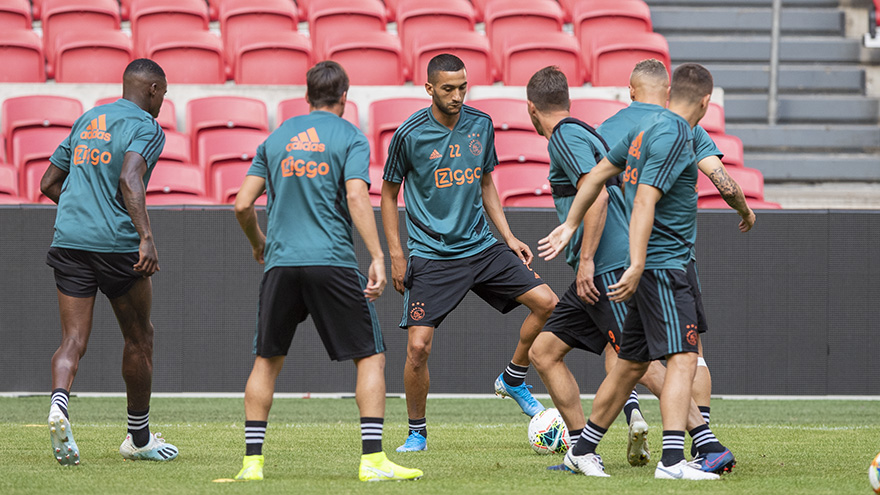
792 309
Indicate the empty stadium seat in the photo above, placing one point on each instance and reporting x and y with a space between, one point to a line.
271 57
8 180
594 111
15 14
230 149
188 57
385 117
623 16
299 106
239 17
508 114
160 16
522 59
472 48
417 16
713 121
370 58
75 15
177 148
37 9
613 56
176 183
332 17
750 180
27 114
515 148
523 185
31 151
520 20
223 113
93 56
21 56
125 9
167 116
732 147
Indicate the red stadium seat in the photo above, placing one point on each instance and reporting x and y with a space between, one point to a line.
93 56
176 183
713 121
227 181
524 185
472 48
614 57
332 17
188 57
594 111
8 180
223 113
167 116
125 9
508 114
238 17
623 16
385 117
511 19
177 148
522 59
274 57
27 114
31 151
75 15
149 17
732 147
298 106
21 56
227 149
376 173
750 180
369 58
519 147
15 14
417 16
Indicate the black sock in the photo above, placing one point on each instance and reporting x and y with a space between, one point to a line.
515 375
139 427
419 426
573 436
705 440
61 397
673 447
631 405
371 435
704 410
254 435
590 437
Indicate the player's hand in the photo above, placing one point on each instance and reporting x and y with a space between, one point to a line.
550 246
521 249
148 258
259 249
747 222
376 280
626 286
586 290
398 270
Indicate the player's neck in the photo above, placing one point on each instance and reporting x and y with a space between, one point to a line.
550 120
690 112
445 118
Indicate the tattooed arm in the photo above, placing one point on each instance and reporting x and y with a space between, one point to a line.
731 192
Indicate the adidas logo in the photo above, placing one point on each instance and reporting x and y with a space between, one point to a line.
306 141
435 155
97 129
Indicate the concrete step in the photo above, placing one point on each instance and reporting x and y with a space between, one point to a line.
792 78
816 167
745 20
739 49
808 138
747 3
803 108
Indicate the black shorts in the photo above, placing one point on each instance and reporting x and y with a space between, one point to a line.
334 296
589 326
81 273
435 287
694 280
661 317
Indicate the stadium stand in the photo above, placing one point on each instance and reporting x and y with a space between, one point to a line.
239 17
93 56
225 115
385 116
508 114
522 59
28 115
594 111
732 148
416 17
271 57
188 57
149 17
225 158
472 48
31 152
177 148
21 56
523 185
330 17
8 181
15 14
59 16
713 121
299 106
516 148
623 16
370 58
174 183
509 19
613 56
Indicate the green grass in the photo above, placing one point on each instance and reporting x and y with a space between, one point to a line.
475 446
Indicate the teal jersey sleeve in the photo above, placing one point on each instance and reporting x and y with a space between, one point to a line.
490 156
148 140
61 157
357 160
617 155
258 166
669 153
704 146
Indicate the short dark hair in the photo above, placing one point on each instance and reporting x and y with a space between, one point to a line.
325 83
143 67
445 62
652 69
548 90
690 83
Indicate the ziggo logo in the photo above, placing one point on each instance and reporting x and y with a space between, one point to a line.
291 166
83 154
445 177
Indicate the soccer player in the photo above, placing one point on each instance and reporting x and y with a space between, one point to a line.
660 181
446 154
103 240
314 169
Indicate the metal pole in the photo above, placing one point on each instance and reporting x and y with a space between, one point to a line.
772 94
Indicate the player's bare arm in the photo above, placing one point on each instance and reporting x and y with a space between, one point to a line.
492 205
640 227
52 181
131 184
551 246
714 169
594 224
251 189
358 198
391 226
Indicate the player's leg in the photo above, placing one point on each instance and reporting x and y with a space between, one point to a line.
416 382
702 384
547 354
258 396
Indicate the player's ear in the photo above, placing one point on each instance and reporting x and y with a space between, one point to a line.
429 88
343 98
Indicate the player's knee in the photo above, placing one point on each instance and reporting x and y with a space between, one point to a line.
74 345
417 352
544 303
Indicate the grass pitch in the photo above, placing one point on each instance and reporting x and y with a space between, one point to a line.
474 446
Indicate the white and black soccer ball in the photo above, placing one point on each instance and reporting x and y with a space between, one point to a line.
547 433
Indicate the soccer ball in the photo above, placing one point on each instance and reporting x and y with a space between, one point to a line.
547 433
874 474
